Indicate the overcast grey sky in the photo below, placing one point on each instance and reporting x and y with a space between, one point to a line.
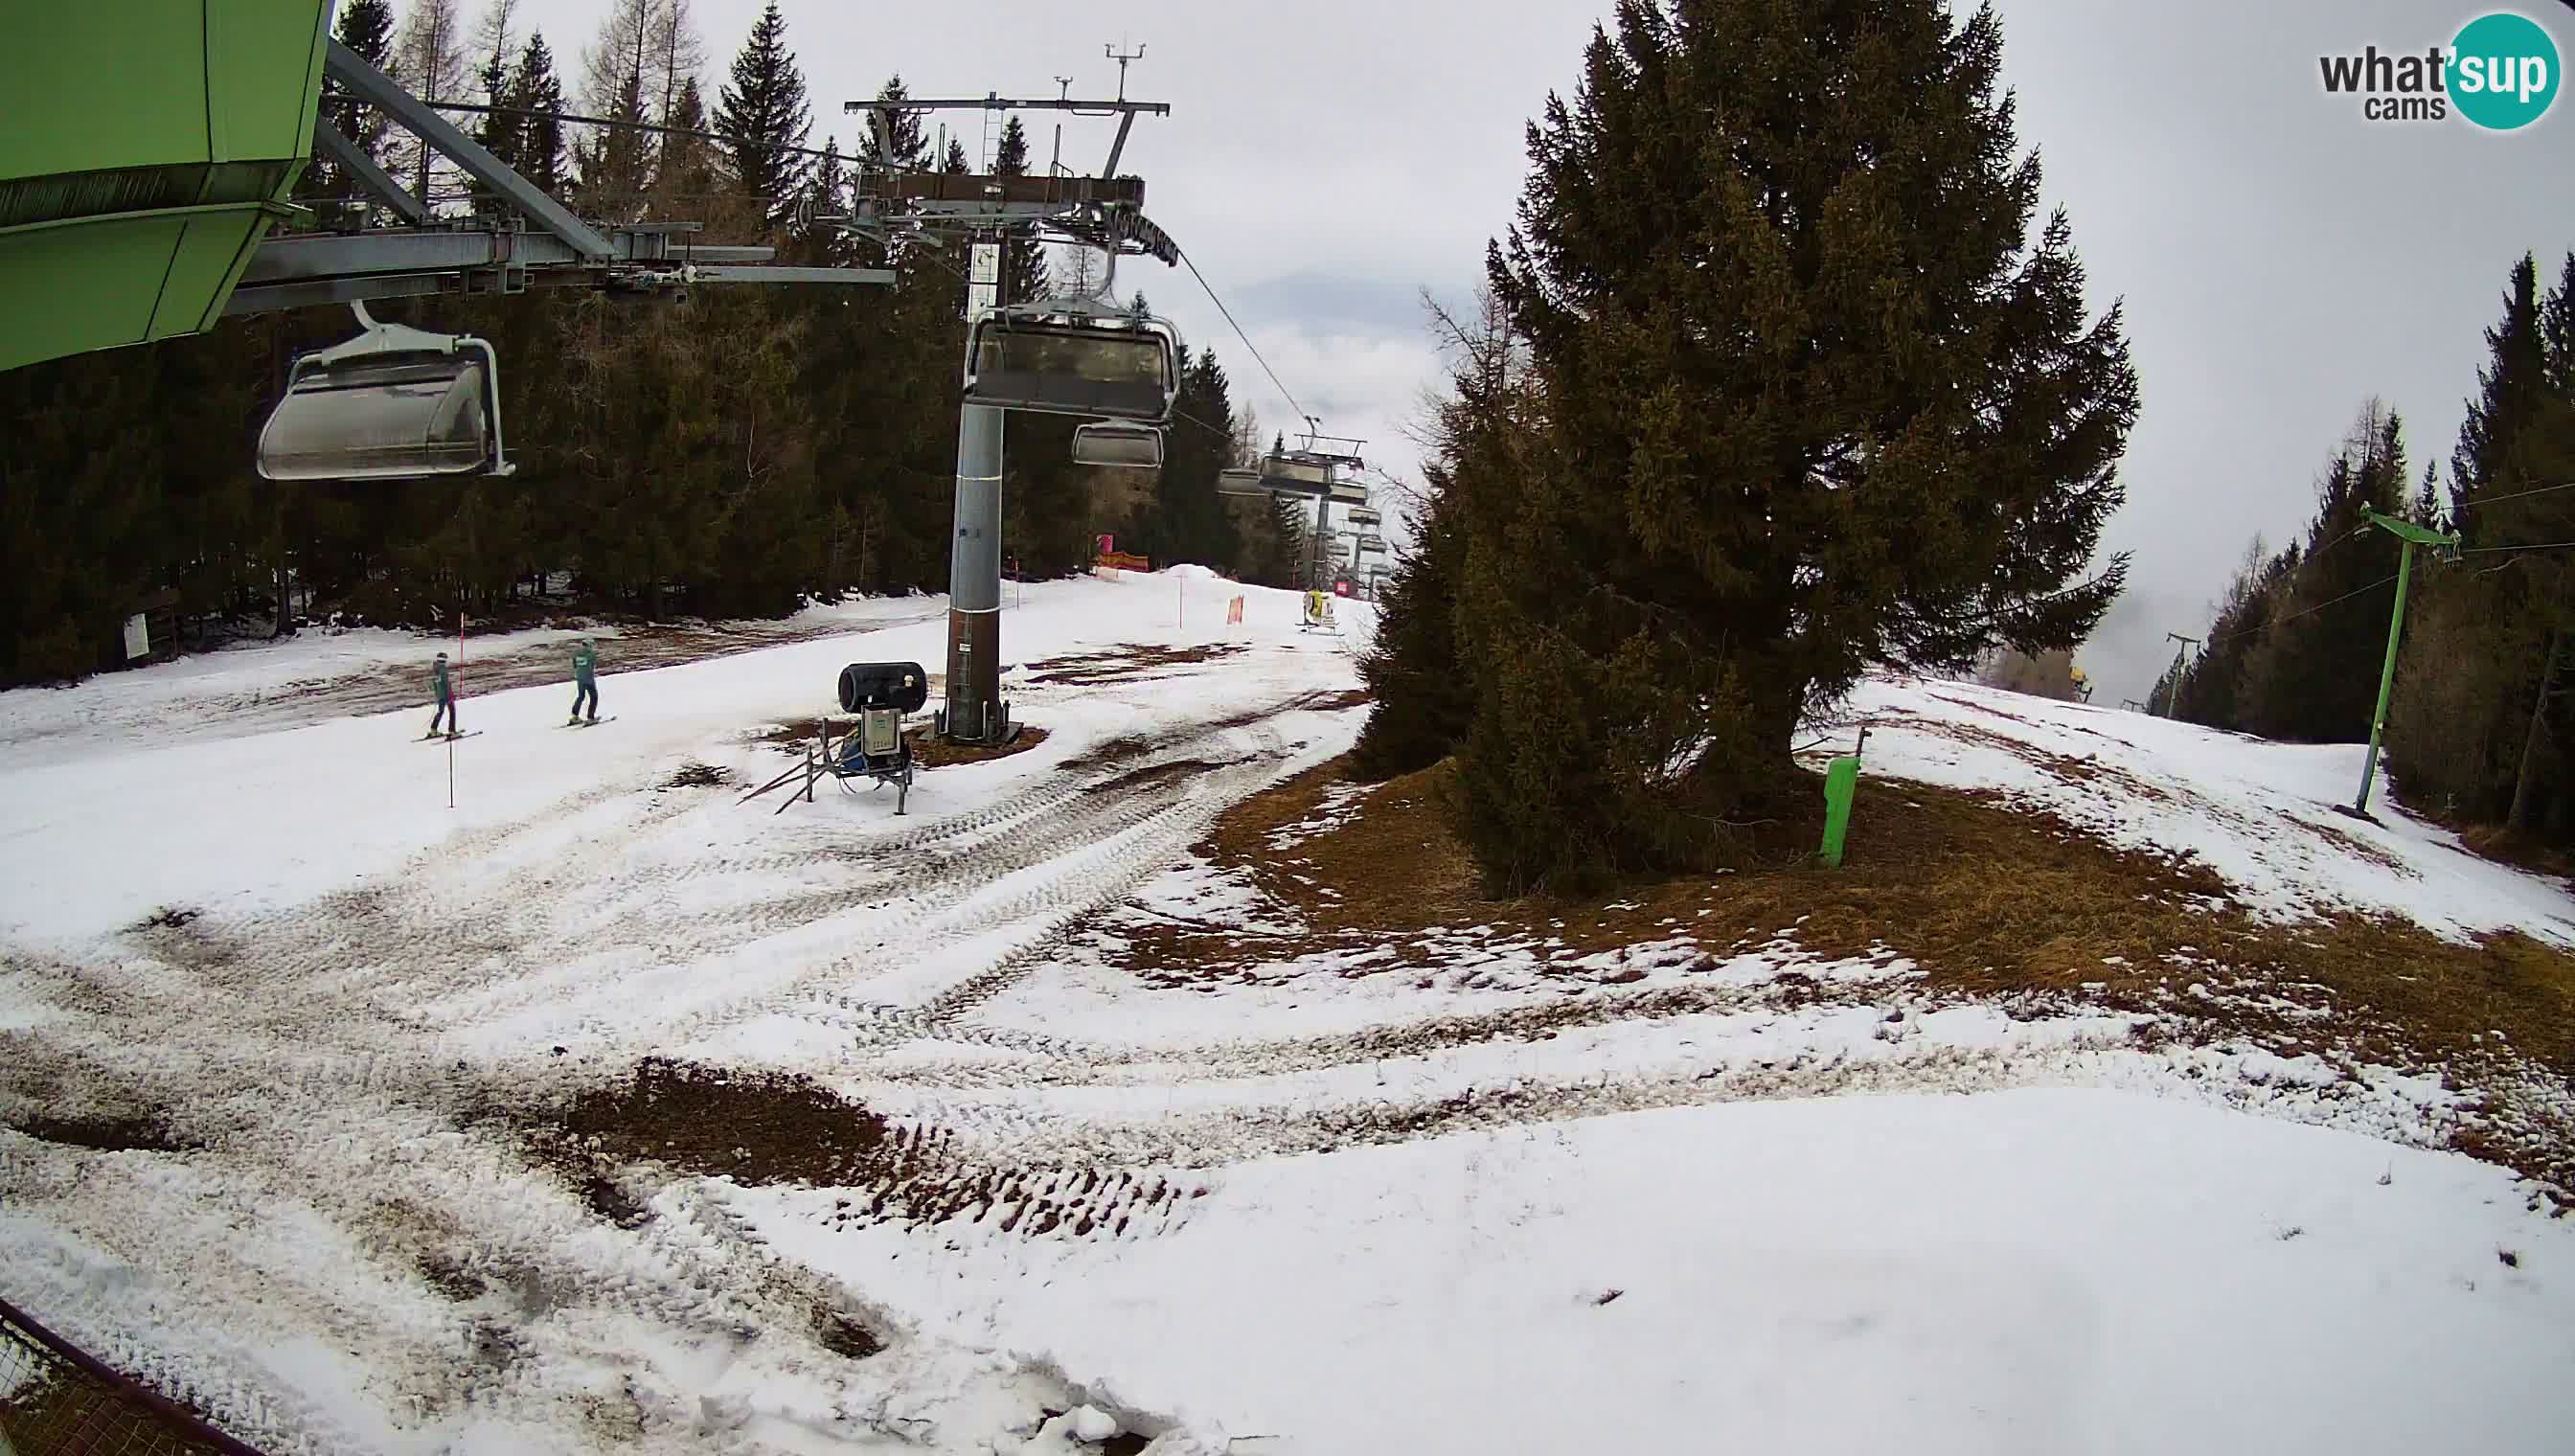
2281 259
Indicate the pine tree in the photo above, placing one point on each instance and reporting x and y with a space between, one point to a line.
1189 522
1815 398
1412 667
762 115
2160 697
2510 385
2211 686
2313 675
1023 269
905 142
685 176
957 165
537 94
825 195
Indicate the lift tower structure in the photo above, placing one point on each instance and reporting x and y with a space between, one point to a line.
1076 353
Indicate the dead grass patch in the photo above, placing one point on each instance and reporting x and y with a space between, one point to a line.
1988 899
694 775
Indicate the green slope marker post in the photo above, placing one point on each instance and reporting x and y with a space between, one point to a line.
1841 782
2414 536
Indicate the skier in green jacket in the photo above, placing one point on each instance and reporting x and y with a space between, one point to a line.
585 668
444 695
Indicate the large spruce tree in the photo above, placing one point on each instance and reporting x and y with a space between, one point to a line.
537 93
2510 385
762 115
1815 398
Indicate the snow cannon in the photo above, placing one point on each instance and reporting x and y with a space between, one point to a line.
902 686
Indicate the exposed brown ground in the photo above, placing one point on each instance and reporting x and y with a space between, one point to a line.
1125 663
1984 899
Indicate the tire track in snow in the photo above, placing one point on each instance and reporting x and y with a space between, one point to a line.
1073 1065
282 1016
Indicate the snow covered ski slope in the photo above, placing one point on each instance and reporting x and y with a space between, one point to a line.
604 1112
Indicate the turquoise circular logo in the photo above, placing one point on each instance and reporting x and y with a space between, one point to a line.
2503 71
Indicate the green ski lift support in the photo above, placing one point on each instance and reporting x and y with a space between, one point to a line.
2446 545
150 146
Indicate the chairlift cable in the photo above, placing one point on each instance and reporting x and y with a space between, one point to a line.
1237 331
2302 612
2538 546
2515 495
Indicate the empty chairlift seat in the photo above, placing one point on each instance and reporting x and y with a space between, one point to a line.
1118 443
392 404
1287 475
1116 371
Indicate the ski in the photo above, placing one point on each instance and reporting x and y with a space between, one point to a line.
612 718
446 737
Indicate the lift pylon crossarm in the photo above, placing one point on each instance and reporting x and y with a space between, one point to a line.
381 91
1006 103
986 187
378 181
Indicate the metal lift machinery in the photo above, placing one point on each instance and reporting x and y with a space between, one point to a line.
1078 355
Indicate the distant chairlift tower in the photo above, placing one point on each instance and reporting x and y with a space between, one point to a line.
1081 355
1323 468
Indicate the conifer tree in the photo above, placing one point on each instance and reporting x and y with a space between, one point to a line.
2313 675
762 115
1189 522
2510 385
537 93
1815 396
1023 269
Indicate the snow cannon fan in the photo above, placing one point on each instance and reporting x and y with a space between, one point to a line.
881 693
902 687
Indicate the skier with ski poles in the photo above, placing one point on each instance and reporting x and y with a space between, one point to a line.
444 695
585 667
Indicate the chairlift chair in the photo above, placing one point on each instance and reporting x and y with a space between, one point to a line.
1239 482
1362 515
1059 358
1289 474
1349 493
1119 444
395 403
